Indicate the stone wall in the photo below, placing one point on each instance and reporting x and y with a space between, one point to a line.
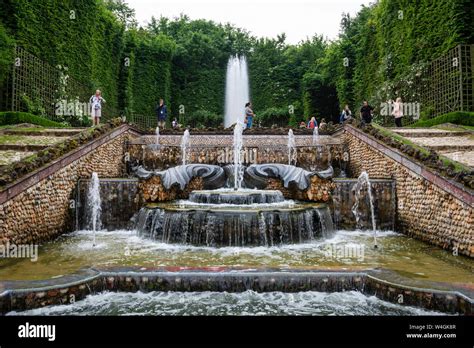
119 202
218 150
429 207
384 199
152 190
38 207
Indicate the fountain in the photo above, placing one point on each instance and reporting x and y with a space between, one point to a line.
157 136
291 148
184 145
362 181
237 90
315 136
94 204
238 142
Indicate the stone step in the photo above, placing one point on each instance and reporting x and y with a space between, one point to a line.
22 147
428 133
46 132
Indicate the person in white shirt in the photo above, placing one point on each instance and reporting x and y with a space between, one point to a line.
398 112
96 107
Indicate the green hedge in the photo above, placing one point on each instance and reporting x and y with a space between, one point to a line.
10 117
457 117
273 116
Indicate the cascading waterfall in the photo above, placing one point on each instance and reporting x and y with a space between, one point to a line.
184 146
238 168
221 225
291 148
363 180
94 203
236 90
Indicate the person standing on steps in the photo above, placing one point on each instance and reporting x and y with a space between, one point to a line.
161 114
398 112
95 103
366 113
249 115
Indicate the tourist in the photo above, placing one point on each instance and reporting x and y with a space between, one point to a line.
398 112
95 103
346 114
323 125
161 114
366 113
249 115
302 124
312 123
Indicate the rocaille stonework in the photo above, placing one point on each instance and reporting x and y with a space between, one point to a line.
424 210
43 211
152 190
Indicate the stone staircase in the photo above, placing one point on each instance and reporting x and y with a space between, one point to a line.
457 145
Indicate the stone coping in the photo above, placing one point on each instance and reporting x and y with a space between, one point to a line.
199 140
459 191
31 179
23 295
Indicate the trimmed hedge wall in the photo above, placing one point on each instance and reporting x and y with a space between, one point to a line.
10 117
457 117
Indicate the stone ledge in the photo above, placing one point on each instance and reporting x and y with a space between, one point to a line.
23 295
453 188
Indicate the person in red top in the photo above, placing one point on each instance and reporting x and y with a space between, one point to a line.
312 123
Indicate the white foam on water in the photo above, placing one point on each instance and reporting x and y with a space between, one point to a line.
225 303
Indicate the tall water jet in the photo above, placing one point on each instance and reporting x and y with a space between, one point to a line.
291 148
238 168
184 146
363 180
94 203
157 135
236 90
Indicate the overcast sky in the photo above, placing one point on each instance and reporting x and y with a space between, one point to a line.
299 19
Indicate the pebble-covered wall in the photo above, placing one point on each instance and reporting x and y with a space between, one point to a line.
45 209
426 209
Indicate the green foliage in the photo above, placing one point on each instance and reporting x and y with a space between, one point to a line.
184 61
457 117
204 118
10 117
147 75
387 49
33 106
199 62
6 53
273 116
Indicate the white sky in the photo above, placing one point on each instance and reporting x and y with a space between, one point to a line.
299 19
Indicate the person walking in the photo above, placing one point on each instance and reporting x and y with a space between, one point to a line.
95 103
398 112
161 113
249 115
366 113
346 114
